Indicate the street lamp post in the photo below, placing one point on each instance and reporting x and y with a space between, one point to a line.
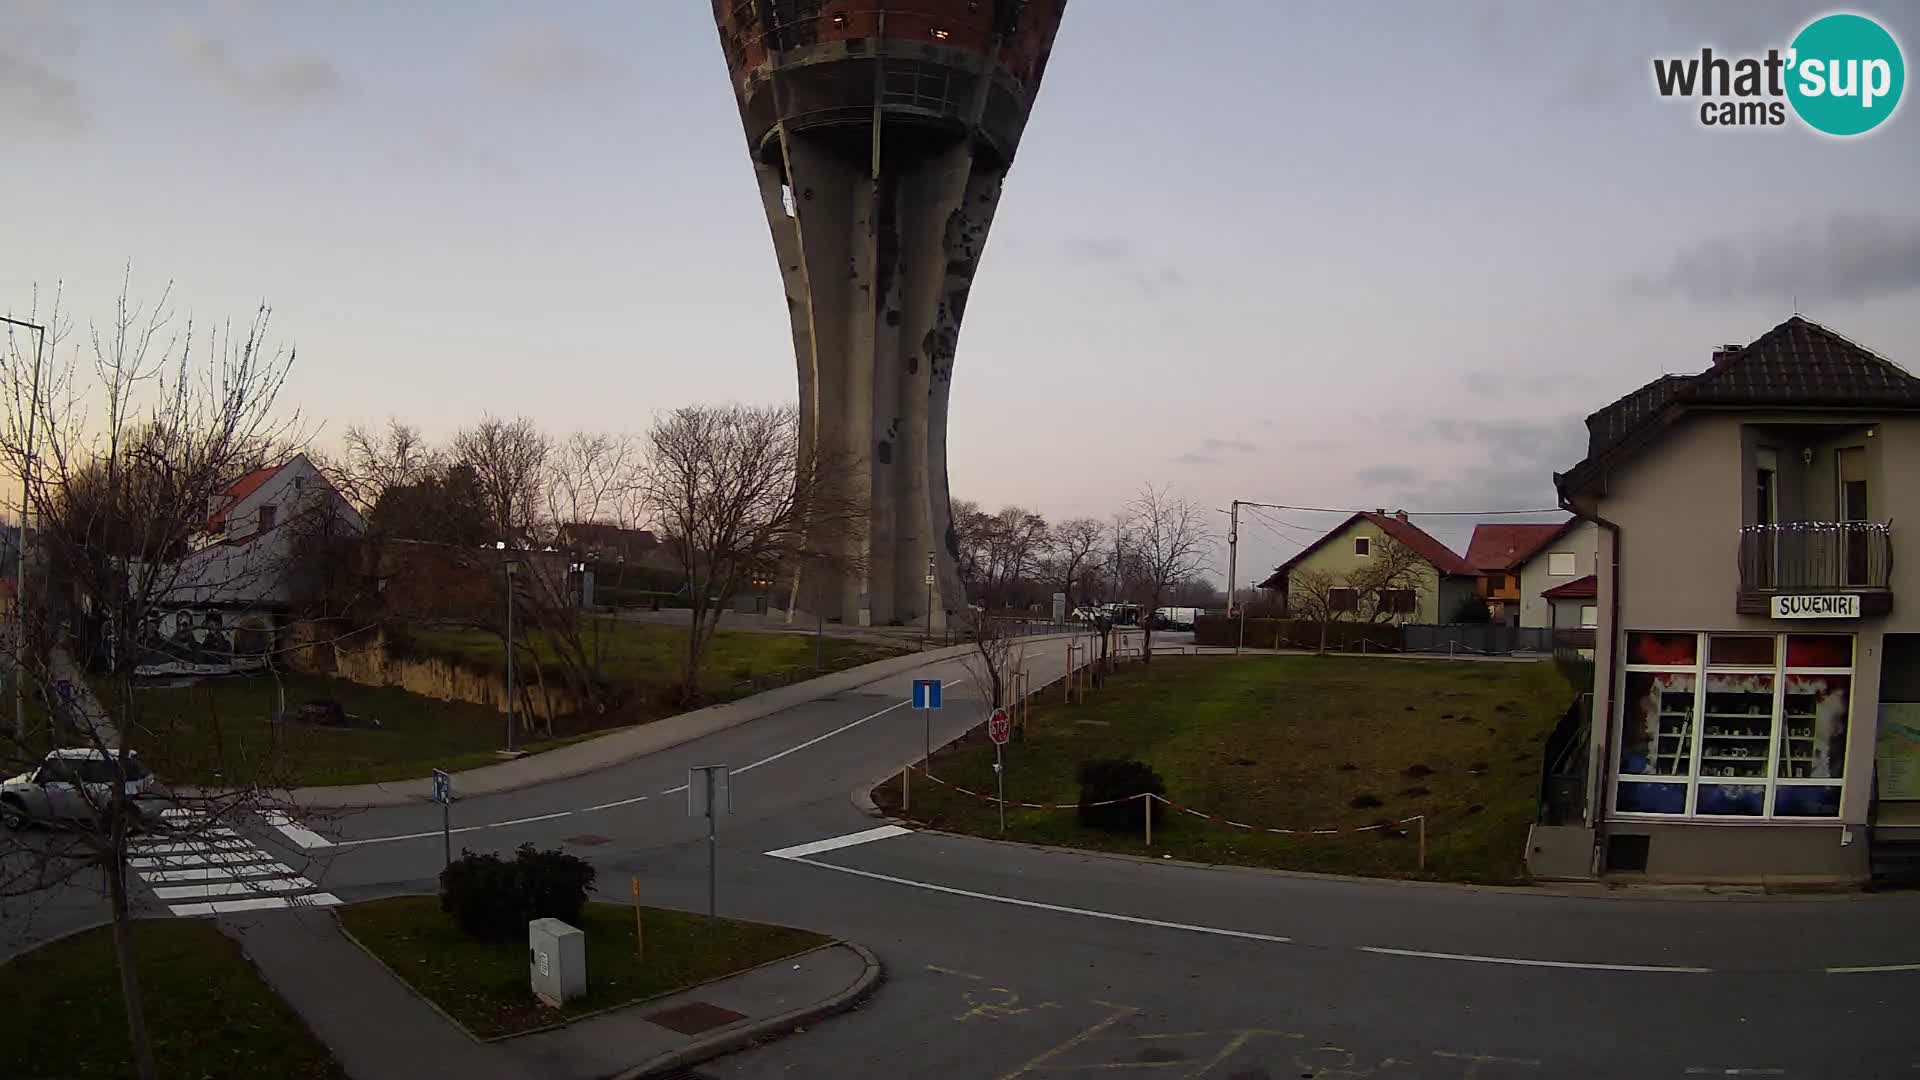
510 568
26 504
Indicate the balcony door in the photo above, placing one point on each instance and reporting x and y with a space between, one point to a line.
1766 512
1851 496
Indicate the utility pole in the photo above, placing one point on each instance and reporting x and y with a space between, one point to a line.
510 653
26 507
926 635
1233 563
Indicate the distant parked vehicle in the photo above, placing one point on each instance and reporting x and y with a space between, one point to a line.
68 785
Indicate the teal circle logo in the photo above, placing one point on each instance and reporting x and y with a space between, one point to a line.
1845 74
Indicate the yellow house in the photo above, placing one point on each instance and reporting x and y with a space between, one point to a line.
1376 567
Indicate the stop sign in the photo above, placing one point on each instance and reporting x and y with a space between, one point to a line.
999 728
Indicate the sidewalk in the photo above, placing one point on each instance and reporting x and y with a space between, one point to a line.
378 1028
625 744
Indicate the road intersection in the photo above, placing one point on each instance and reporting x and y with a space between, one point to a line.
1013 961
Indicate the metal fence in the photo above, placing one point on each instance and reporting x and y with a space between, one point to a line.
1488 638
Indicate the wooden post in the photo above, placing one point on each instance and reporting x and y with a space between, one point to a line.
639 946
1423 841
1066 680
1146 804
904 793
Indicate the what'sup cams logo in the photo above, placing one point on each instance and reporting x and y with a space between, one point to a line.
1842 75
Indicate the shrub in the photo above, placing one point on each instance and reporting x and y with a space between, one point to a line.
1112 778
491 899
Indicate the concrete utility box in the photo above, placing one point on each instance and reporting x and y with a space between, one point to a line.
556 961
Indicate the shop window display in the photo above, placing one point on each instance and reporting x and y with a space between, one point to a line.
1734 726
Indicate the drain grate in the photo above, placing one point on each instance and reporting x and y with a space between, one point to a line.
586 840
694 1017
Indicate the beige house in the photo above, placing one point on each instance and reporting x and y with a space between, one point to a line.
1569 556
1757 687
1350 559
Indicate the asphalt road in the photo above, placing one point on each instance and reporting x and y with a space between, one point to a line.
1008 961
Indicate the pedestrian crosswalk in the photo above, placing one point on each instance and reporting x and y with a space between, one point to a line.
213 870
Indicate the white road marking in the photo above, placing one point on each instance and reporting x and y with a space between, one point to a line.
164 838
1517 962
211 858
462 829
181 813
234 888
616 802
771 758
1871 968
256 903
295 831
800 851
1702 1070
1062 909
215 873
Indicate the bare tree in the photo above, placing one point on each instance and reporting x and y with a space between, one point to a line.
1319 597
737 496
1167 538
509 458
1075 543
995 657
375 461
1388 587
126 450
592 478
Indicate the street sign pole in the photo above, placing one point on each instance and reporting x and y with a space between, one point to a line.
443 794
1000 771
710 793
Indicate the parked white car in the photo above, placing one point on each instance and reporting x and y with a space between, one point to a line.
68 785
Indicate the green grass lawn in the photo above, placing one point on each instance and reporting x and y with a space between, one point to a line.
219 729
484 985
646 658
209 1013
1285 742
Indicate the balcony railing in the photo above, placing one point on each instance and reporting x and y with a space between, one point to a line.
1816 556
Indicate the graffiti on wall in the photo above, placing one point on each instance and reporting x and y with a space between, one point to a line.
202 641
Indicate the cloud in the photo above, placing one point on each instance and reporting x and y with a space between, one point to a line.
1238 446
37 99
1545 444
1117 253
1385 475
1848 257
539 57
1195 457
289 80
1316 446
1495 385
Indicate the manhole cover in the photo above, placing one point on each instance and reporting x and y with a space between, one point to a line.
586 840
695 1017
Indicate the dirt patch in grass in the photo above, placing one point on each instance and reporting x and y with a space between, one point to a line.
210 1015
484 985
1302 719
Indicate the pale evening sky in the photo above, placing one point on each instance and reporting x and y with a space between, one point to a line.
1345 254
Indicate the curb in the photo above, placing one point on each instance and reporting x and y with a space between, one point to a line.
706 1049
748 709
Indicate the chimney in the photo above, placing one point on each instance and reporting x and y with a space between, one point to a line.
1401 514
1724 354
1380 511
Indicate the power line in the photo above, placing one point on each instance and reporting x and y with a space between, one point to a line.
1254 508
1409 513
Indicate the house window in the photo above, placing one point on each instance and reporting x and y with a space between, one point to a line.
1398 601
267 516
300 482
1589 616
1734 725
1496 582
1340 599
1362 546
1561 564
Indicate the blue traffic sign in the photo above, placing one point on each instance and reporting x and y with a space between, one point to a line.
442 787
926 693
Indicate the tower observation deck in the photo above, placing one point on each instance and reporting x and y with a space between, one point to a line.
881 134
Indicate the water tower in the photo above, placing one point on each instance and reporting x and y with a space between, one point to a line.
881 133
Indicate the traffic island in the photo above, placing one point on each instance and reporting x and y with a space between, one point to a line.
1291 762
484 986
208 1012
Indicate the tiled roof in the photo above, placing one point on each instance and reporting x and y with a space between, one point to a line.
1417 540
1798 363
1503 545
239 490
1586 588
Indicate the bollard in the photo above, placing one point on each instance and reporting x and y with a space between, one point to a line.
904 770
1066 681
1423 841
1146 804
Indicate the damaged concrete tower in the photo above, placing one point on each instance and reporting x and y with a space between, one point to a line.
881 132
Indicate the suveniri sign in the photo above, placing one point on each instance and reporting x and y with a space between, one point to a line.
1816 607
